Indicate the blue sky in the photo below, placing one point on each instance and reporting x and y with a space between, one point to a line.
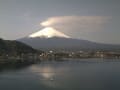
95 20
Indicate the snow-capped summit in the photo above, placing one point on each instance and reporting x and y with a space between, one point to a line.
48 32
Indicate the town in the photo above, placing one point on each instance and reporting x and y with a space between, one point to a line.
80 54
58 55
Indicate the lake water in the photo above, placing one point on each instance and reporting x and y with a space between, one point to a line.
86 74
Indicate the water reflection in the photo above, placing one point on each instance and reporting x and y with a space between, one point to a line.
51 75
46 72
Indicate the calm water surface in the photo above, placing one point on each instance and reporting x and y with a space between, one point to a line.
67 75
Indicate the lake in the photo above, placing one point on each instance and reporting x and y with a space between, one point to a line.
84 74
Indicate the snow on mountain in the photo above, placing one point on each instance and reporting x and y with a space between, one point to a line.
48 32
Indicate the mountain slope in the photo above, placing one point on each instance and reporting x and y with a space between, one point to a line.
14 47
49 38
66 44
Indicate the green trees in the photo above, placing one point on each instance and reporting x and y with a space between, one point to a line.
8 47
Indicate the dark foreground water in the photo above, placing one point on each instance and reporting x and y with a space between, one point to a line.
67 75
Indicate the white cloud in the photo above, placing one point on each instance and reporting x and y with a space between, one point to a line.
76 24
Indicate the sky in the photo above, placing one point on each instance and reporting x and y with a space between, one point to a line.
94 20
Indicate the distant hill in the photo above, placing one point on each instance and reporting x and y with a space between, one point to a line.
14 48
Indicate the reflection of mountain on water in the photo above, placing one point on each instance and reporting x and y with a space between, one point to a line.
70 74
66 75
51 74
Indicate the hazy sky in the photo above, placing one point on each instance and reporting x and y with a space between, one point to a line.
95 20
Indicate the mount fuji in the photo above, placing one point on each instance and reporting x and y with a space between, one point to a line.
48 33
51 39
